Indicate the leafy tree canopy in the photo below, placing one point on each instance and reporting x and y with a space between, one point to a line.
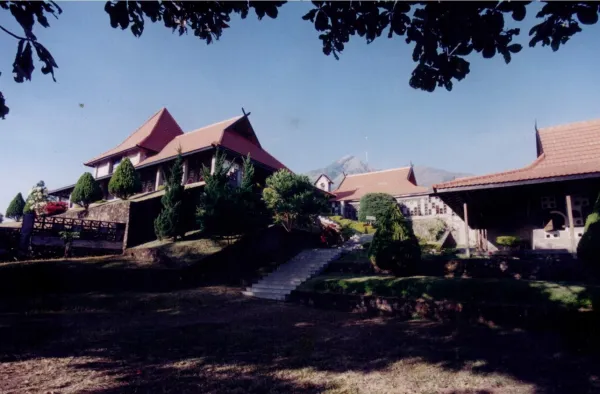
86 191
16 207
125 180
443 34
293 199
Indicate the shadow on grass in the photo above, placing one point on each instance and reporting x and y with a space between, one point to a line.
213 340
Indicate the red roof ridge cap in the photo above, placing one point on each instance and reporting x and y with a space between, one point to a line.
377 172
236 118
564 126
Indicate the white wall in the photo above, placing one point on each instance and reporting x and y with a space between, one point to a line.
135 157
102 168
559 239
323 180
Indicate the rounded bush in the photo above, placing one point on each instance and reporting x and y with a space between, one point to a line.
374 204
588 249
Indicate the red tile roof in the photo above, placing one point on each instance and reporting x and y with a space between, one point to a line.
397 182
153 135
218 134
566 150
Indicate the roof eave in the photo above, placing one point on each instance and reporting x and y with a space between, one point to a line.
439 190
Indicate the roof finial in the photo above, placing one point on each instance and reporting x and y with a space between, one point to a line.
244 112
535 125
411 164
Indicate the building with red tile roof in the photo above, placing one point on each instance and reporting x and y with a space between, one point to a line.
544 203
153 147
396 181
416 202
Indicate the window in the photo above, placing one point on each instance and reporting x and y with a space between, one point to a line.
548 202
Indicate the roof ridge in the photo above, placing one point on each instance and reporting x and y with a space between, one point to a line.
580 123
537 161
211 125
161 112
378 171
103 154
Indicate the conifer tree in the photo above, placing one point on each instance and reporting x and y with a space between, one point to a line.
16 207
169 223
125 180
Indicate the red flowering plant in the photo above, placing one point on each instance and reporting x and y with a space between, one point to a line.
55 208
331 236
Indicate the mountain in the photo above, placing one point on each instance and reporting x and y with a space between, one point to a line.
426 176
335 171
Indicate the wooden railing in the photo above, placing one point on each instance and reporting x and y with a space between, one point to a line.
92 230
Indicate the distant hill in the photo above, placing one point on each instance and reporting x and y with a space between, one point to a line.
426 176
335 171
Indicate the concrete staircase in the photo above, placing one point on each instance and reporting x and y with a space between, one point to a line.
279 284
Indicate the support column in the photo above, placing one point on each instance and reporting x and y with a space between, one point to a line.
467 242
158 178
185 175
212 164
342 208
571 225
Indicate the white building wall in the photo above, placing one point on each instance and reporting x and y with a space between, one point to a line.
134 157
323 183
102 169
427 207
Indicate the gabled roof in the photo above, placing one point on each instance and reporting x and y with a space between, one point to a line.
231 134
563 151
396 181
153 135
322 175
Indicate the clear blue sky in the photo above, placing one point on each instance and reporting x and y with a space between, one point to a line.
308 109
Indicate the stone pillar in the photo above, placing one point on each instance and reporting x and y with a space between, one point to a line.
571 225
467 242
158 178
26 230
185 172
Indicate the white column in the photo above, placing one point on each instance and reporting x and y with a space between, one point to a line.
468 244
158 178
342 208
212 164
185 172
571 224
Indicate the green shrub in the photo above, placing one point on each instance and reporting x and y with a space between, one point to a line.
125 181
16 207
430 247
588 249
86 191
347 231
395 247
508 241
358 227
374 204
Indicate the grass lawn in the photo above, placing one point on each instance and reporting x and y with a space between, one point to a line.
498 291
185 252
359 227
213 340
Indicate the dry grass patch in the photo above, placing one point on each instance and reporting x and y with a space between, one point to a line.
212 340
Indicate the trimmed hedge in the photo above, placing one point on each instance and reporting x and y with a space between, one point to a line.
374 204
588 249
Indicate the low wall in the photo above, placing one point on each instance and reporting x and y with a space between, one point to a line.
443 310
113 211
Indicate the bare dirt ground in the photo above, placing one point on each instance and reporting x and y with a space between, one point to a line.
213 340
